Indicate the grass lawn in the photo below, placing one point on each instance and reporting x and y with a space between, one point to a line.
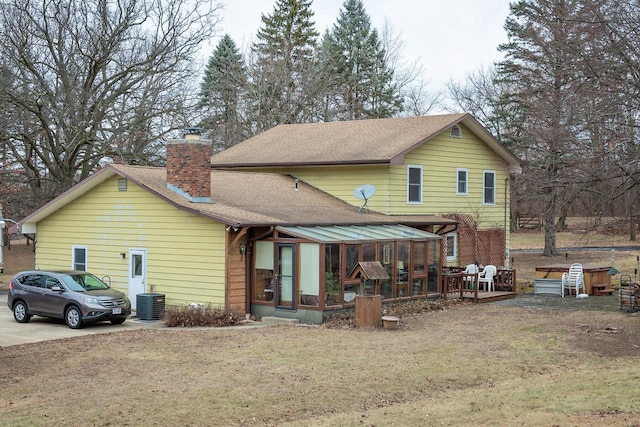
471 364
468 365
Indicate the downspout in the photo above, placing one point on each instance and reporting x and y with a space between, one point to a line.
506 225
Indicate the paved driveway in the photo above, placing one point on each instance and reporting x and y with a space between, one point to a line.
42 329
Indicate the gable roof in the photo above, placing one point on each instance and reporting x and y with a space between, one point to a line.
240 199
373 141
370 270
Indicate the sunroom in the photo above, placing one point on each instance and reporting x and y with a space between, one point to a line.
303 272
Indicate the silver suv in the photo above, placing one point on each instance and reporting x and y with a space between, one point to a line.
77 297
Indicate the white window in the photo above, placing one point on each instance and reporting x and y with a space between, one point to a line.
414 184
455 132
463 175
79 258
452 246
489 187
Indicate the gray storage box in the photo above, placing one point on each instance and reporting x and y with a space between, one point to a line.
548 286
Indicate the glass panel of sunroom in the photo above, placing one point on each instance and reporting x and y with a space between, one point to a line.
355 233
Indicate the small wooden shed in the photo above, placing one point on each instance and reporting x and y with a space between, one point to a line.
368 270
369 307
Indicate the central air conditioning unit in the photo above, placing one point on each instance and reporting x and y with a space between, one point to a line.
150 306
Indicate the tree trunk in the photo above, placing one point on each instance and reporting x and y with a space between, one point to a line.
549 224
561 225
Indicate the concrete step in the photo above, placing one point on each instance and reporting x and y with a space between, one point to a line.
273 320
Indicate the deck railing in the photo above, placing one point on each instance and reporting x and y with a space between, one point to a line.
459 282
506 280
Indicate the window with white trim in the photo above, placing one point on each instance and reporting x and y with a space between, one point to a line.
79 258
462 181
414 184
489 188
452 246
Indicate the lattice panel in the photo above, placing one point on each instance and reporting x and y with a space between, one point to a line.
477 246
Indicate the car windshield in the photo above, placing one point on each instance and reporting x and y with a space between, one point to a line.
83 282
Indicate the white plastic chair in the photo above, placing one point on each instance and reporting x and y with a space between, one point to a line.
574 279
473 270
486 276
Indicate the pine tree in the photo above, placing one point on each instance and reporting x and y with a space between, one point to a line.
353 59
284 55
549 73
221 93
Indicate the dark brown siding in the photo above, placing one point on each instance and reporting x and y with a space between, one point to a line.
236 278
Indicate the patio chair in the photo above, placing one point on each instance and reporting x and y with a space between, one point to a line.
574 279
486 276
473 271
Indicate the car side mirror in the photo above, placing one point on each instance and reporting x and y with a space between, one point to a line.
57 289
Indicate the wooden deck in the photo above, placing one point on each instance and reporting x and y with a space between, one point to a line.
456 284
484 296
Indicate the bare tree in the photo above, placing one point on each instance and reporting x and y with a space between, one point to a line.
485 95
93 79
547 63
408 76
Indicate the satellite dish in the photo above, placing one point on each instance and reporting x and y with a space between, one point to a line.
364 192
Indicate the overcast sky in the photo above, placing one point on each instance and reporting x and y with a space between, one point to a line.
450 38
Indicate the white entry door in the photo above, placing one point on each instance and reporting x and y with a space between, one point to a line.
137 274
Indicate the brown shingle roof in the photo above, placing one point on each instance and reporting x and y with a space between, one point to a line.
247 199
347 142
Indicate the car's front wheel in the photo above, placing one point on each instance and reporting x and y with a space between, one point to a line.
73 317
20 312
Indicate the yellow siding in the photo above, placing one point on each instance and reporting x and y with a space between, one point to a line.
185 252
342 181
440 158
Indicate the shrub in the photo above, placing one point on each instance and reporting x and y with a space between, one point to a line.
189 316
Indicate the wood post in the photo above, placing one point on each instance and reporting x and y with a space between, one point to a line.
368 311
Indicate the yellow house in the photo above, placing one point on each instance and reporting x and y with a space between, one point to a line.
446 165
279 236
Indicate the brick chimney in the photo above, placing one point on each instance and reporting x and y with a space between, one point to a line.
189 166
